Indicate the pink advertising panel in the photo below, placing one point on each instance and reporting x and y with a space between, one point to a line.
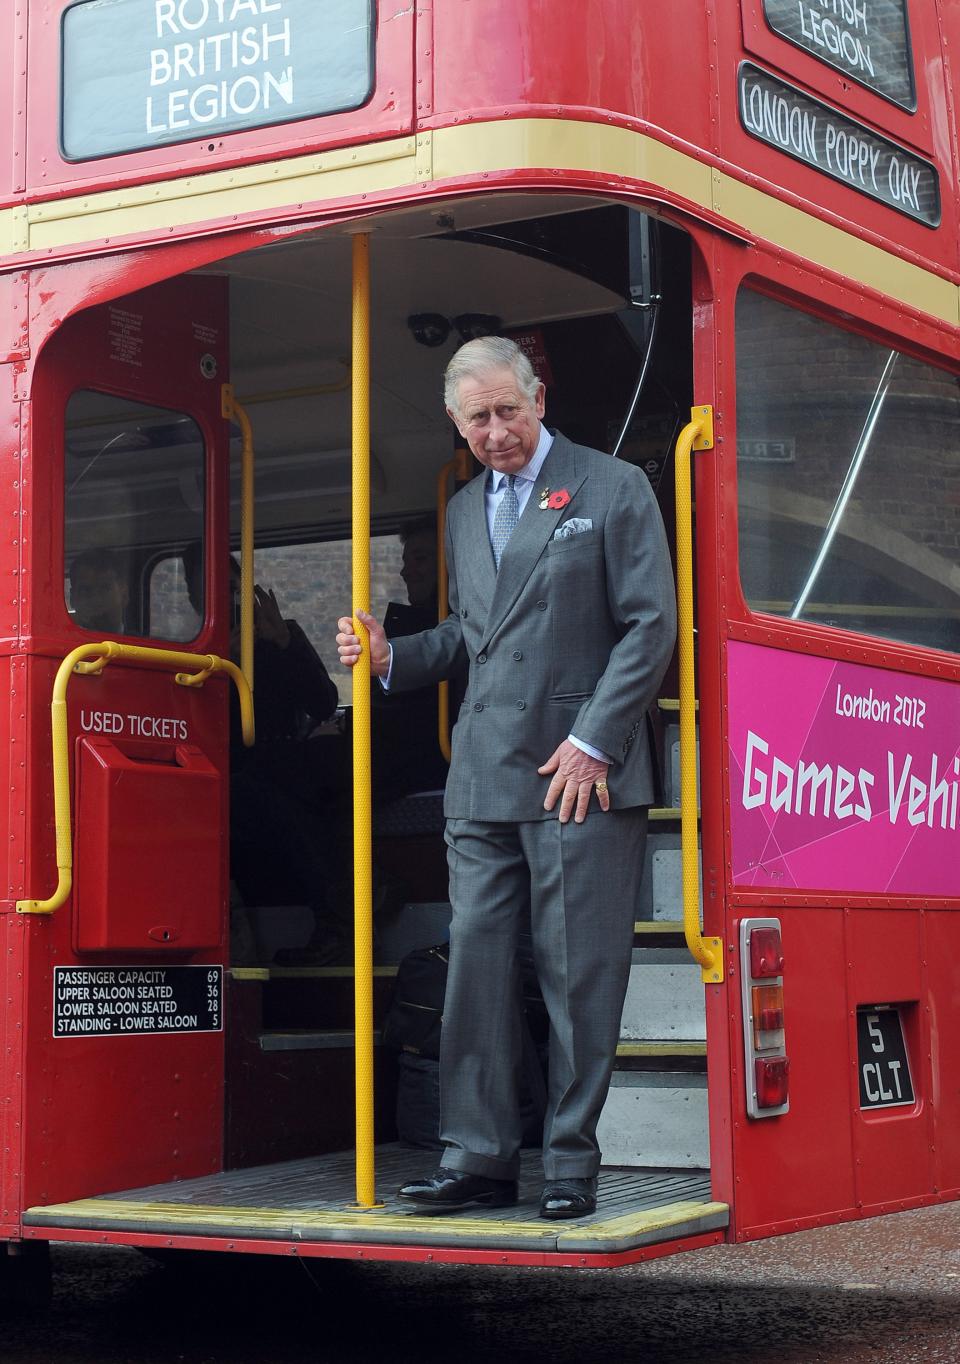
842 777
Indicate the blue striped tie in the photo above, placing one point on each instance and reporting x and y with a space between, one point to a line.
505 521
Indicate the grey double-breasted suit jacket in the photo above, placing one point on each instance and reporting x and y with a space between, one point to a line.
572 636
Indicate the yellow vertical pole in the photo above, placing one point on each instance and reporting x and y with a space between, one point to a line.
698 433
362 835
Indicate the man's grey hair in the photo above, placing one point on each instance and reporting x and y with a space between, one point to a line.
478 358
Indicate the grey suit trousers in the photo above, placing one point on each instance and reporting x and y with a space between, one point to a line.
576 887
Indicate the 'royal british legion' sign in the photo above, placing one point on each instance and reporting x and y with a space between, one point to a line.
145 73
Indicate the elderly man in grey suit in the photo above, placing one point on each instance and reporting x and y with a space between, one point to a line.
562 605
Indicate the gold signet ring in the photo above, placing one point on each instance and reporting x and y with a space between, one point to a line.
601 786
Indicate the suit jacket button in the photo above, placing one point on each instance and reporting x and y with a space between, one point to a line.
521 705
517 655
478 705
541 606
464 612
481 658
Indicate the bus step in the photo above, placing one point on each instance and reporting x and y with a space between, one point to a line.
669 708
658 933
661 1056
666 814
661 886
655 1119
303 1039
671 766
664 997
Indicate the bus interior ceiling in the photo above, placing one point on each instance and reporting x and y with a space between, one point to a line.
581 281
526 264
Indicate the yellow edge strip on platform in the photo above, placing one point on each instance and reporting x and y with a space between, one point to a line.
466 1228
302 972
661 1048
452 153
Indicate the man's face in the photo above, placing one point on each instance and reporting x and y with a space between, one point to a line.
98 599
501 426
419 568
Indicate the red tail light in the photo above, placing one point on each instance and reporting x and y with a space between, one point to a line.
767 1016
766 1069
772 1081
766 953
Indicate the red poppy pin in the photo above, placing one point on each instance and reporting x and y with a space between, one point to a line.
554 501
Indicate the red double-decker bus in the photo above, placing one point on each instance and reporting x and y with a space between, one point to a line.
239 240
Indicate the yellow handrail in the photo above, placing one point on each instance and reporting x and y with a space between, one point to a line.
232 408
459 466
362 832
707 951
93 658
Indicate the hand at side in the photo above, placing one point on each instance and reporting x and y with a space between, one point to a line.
575 775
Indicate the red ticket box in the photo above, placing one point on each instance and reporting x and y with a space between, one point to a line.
148 864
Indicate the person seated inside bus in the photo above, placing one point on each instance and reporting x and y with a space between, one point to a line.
99 591
283 848
406 749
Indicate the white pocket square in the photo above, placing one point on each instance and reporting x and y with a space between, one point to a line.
575 526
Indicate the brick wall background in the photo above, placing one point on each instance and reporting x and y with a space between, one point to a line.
311 584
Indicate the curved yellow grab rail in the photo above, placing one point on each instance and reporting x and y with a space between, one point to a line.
707 951
459 466
93 658
362 788
232 409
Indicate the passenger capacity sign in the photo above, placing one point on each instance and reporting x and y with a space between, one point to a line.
144 73
119 1001
843 778
868 40
812 132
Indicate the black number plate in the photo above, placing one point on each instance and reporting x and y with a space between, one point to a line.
883 1065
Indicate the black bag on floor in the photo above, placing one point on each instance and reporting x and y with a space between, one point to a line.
418 1100
412 1024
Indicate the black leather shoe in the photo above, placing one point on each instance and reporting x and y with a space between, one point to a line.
451 1190
568 1198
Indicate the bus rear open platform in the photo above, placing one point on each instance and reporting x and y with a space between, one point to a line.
310 1202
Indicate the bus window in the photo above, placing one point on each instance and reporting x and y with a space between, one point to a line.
133 489
848 473
172 615
311 583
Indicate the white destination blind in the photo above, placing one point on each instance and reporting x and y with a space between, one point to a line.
868 40
785 118
146 73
